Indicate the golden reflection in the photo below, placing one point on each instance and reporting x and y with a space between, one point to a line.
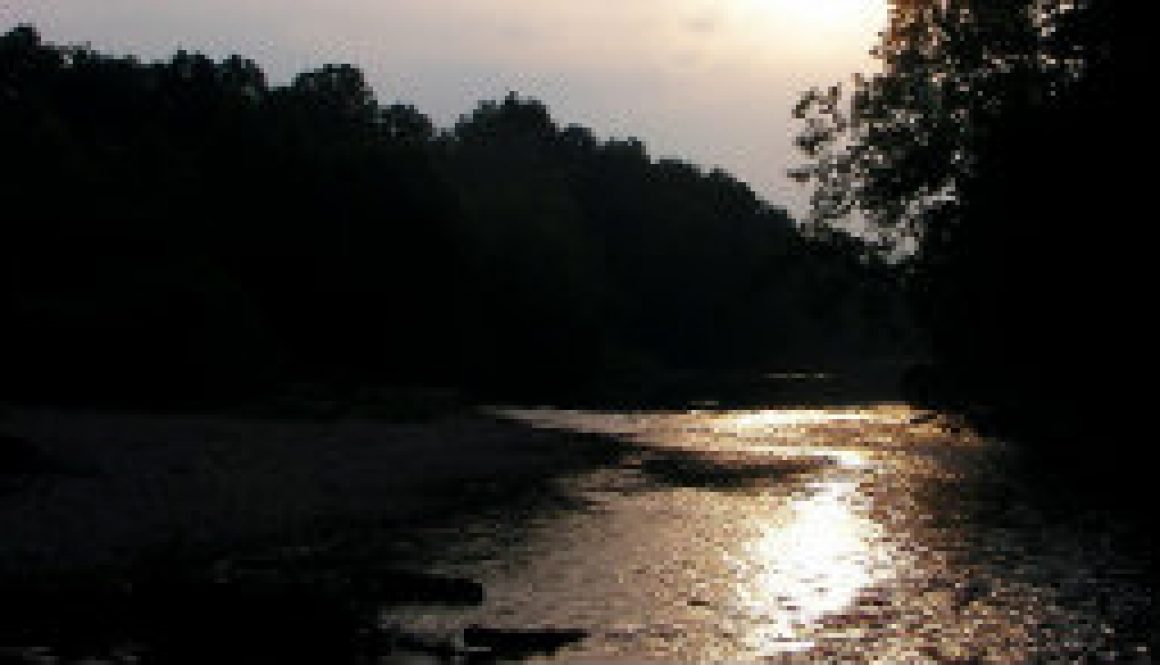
778 418
811 561
900 549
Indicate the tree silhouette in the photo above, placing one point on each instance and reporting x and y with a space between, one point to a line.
983 143
185 230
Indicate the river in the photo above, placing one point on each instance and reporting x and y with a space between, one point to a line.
870 534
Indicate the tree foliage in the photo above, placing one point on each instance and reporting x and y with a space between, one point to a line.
988 142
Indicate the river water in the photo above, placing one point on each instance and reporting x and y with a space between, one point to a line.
871 534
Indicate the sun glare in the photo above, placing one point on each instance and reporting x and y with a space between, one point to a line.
822 14
811 565
829 29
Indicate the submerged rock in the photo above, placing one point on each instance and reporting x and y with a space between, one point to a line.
516 643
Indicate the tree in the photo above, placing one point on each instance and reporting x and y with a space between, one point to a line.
985 142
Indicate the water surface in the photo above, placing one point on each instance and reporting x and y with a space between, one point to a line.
874 534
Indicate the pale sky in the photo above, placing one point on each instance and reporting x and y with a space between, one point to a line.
708 81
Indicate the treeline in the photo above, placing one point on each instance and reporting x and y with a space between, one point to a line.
184 229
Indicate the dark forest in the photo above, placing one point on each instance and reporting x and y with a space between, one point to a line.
184 230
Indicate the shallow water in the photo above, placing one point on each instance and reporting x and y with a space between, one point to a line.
878 534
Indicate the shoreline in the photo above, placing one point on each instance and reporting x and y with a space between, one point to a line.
126 488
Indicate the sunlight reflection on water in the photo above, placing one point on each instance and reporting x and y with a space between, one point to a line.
743 547
808 566
817 554
793 417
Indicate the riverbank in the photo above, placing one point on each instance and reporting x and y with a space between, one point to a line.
108 490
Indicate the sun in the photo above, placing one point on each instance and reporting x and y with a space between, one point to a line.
818 17
822 14
838 31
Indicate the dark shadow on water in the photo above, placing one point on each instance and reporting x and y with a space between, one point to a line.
727 472
724 391
508 644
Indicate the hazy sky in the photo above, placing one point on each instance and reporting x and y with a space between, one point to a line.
709 81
